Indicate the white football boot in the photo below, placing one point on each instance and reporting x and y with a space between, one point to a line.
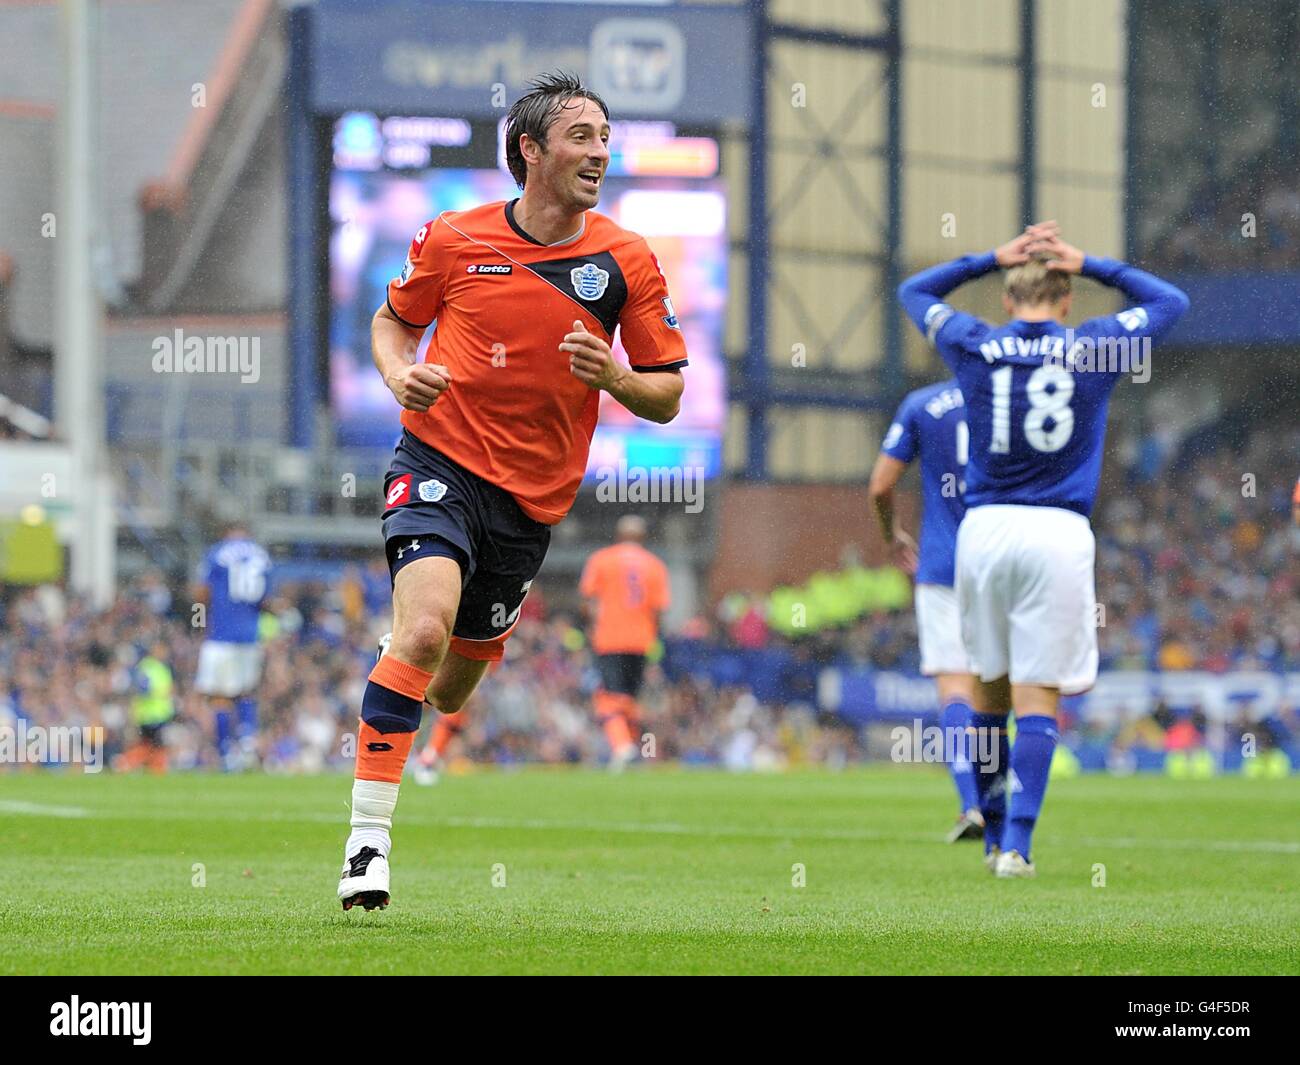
425 775
365 880
1011 864
970 825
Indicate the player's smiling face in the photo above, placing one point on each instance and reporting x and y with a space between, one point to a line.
572 168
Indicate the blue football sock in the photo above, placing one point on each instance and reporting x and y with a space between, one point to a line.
955 720
246 707
223 733
990 756
1031 759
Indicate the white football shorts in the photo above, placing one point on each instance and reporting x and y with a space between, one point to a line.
228 669
938 624
1027 595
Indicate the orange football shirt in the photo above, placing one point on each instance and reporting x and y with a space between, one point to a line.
630 586
503 303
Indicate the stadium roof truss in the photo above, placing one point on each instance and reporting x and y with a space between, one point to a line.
824 217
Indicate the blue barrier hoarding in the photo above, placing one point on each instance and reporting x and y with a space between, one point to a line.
1254 308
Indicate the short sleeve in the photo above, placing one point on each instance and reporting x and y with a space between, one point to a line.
415 295
662 597
651 334
900 440
589 584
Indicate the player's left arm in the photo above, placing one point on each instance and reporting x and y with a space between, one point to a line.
1295 505
652 337
1156 305
653 396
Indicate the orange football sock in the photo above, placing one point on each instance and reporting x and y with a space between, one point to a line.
607 703
446 727
382 755
617 732
393 700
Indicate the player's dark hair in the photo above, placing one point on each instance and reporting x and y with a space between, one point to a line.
534 112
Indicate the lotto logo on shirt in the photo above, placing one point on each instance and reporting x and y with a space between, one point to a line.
399 491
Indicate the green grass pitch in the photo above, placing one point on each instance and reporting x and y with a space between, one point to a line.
658 871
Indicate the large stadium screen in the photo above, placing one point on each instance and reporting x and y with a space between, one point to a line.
376 205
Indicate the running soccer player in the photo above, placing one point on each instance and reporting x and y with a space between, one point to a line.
1036 399
931 422
626 588
233 583
527 296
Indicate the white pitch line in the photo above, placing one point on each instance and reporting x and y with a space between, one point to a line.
36 809
848 835
649 828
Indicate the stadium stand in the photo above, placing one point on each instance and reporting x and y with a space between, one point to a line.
1190 586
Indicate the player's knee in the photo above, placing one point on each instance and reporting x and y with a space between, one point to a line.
422 641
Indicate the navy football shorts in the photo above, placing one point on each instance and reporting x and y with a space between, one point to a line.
621 673
435 507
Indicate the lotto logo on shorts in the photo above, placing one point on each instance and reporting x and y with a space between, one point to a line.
399 491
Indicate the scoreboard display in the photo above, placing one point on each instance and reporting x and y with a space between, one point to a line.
392 174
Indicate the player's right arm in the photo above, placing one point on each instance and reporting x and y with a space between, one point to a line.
589 586
414 301
1295 505
897 450
922 295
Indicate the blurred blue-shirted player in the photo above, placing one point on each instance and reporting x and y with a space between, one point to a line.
1036 398
931 423
234 575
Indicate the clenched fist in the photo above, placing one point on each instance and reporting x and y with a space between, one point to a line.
418 386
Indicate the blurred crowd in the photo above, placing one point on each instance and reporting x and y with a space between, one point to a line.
61 664
1254 223
1198 569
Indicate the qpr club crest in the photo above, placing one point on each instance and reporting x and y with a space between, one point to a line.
431 491
589 281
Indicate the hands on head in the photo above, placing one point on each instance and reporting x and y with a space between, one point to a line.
1038 239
